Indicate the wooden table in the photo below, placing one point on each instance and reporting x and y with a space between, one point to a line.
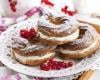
86 75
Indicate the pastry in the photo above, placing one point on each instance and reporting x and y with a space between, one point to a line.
32 54
29 53
57 30
86 44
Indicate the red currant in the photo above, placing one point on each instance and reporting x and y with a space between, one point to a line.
66 7
13 4
13 9
55 65
32 32
58 67
65 65
47 2
10 0
66 11
70 13
70 64
45 67
50 4
28 34
44 1
24 33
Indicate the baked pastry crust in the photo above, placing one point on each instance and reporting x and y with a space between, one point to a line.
31 62
57 30
86 44
32 54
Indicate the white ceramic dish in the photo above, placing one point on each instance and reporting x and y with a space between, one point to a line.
5 41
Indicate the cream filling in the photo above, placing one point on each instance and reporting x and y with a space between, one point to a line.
25 58
79 51
68 38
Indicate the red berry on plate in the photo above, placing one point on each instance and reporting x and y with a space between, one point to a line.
32 32
44 67
59 63
58 67
28 34
65 65
47 2
53 67
52 64
24 33
70 64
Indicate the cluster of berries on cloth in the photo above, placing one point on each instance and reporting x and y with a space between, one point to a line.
64 9
13 4
69 12
47 2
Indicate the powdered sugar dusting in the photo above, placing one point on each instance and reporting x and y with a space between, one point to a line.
31 48
85 41
26 46
69 22
19 42
43 21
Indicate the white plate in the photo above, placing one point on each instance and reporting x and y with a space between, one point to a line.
5 41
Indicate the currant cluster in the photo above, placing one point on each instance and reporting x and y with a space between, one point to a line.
28 34
47 2
13 4
52 64
66 11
